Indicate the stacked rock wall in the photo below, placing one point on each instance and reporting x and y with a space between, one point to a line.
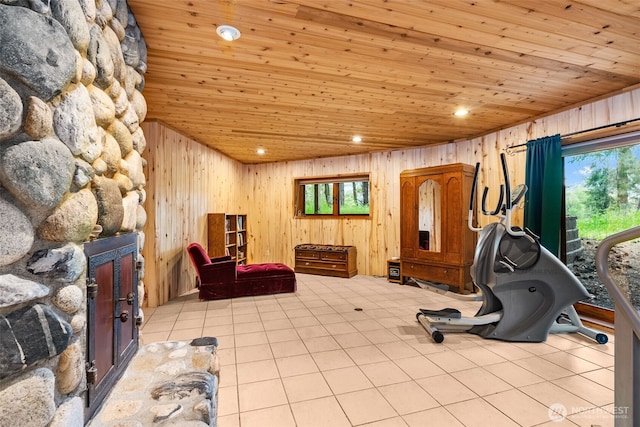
71 75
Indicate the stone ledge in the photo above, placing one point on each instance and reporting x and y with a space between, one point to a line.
172 383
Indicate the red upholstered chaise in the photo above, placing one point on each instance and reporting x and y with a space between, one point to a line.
220 277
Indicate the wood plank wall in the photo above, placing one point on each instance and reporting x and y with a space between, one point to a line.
188 180
185 181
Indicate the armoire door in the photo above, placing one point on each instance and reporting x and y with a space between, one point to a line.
408 238
456 225
431 212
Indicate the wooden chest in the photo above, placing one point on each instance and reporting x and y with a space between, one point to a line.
326 260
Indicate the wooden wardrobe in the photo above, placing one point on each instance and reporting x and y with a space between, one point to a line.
436 244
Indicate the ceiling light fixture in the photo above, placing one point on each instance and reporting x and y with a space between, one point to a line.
461 112
356 138
260 151
228 32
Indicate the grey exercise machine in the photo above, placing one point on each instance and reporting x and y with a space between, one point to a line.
526 291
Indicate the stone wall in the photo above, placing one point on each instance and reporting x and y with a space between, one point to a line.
71 75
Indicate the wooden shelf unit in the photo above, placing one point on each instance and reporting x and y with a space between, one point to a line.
227 235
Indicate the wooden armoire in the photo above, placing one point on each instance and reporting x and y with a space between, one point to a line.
436 244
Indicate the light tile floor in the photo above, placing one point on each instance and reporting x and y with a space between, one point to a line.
310 359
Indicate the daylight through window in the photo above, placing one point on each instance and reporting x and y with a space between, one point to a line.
602 197
332 196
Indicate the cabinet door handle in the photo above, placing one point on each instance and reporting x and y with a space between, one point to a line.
124 316
128 299
92 288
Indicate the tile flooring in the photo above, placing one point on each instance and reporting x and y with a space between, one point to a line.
310 359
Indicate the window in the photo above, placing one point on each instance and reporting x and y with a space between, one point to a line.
332 196
602 197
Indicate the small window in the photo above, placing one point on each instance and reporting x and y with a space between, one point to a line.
332 196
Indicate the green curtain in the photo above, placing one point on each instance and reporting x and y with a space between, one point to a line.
543 204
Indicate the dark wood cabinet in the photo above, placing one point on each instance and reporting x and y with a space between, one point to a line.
112 311
326 260
435 242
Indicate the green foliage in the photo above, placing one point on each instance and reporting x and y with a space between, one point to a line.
611 221
353 198
598 196
577 202
325 199
626 174
354 209
607 201
323 209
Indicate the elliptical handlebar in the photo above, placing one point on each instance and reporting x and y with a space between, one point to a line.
485 193
472 200
505 202
498 206
507 183
508 203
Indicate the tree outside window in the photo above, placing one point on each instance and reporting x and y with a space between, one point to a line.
332 196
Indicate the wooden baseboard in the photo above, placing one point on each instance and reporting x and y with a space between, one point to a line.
598 317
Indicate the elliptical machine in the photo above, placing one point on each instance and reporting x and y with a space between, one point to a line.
527 292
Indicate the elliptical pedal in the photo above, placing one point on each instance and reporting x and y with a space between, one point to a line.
450 313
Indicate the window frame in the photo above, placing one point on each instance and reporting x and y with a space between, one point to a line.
595 141
335 181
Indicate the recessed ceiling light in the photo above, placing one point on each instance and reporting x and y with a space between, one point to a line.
260 151
356 138
461 112
228 32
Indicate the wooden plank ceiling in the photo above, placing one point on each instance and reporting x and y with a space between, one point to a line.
307 75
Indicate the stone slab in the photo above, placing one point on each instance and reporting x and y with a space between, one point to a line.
172 383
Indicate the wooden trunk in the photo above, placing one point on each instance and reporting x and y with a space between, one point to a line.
326 261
